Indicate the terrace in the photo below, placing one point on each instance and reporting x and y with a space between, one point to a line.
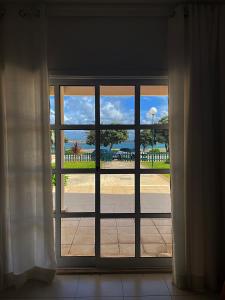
117 196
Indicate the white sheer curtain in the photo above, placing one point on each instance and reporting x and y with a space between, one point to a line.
26 225
197 129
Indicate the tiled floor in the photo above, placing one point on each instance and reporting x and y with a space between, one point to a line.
117 237
109 287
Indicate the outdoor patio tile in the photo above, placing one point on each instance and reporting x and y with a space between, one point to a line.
69 222
67 235
169 249
84 236
137 285
167 238
147 221
149 230
151 238
65 250
125 222
127 250
82 250
87 222
153 250
109 236
126 238
164 229
162 221
126 229
108 223
99 286
110 250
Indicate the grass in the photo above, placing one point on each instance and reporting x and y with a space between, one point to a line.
156 165
77 165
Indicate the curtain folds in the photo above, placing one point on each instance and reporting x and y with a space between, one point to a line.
26 224
197 136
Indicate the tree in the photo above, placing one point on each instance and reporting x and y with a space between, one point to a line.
108 137
90 137
164 120
76 149
146 138
162 135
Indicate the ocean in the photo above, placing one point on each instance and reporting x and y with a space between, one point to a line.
130 145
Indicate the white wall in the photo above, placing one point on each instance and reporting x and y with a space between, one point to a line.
107 45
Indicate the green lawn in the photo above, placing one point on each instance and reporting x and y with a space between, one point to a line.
77 165
156 165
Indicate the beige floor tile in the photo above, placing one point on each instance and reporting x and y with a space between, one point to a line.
65 250
151 238
126 229
127 250
197 297
67 235
126 238
109 236
125 222
147 221
169 248
149 230
108 222
163 221
164 229
99 286
110 250
167 238
84 236
87 222
154 250
149 298
82 250
69 222
63 286
144 285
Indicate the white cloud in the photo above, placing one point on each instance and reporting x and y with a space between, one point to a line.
79 110
116 111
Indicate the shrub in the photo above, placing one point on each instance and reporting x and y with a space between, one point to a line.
68 151
66 178
156 150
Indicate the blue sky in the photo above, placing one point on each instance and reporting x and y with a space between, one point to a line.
114 109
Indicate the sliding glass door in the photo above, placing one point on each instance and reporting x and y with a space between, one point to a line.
110 172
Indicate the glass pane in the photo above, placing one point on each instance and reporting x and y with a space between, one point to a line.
77 104
117 238
154 104
155 193
117 193
156 237
78 237
78 192
154 149
53 154
117 149
53 190
52 104
117 104
78 151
